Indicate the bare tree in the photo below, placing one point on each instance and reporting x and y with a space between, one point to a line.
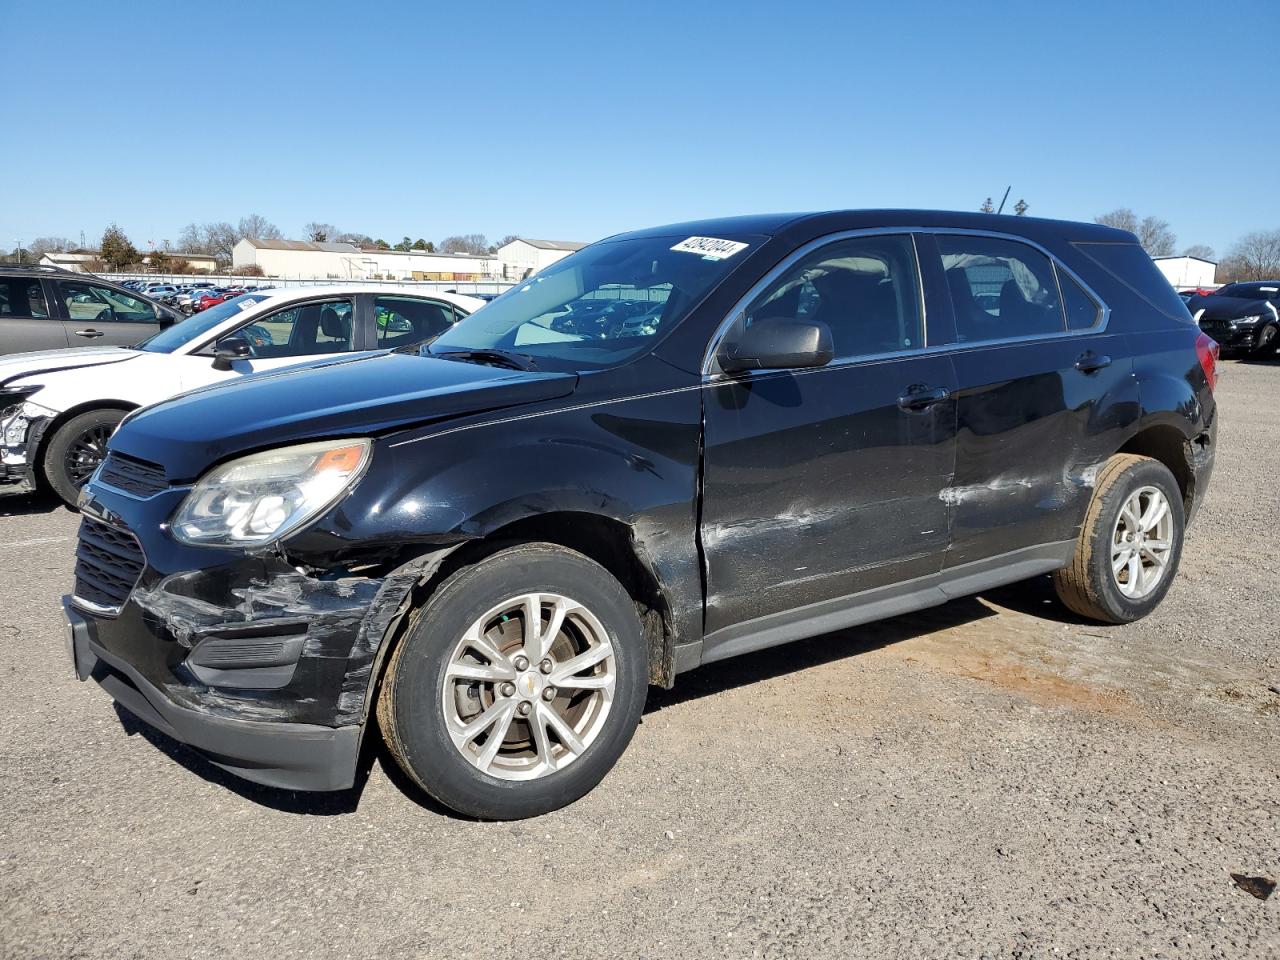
1256 256
320 232
1156 237
465 243
507 239
192 239
42 245
359 239
258 227
1201 251
1122 218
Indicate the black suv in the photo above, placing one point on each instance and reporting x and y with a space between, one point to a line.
46 308
1244 318
675 446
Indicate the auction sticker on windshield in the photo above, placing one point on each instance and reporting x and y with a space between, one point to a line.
710 248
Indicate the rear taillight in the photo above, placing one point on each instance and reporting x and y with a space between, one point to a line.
1207 350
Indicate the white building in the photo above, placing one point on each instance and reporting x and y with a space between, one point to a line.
308 260
1184 272
75 262
523 257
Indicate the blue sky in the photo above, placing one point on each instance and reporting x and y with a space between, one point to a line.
576 120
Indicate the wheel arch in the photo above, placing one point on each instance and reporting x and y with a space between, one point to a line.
55 424
1170 446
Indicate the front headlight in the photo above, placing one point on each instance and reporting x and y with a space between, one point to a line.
1246 321
264 496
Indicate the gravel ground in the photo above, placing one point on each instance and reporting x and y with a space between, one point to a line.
988 779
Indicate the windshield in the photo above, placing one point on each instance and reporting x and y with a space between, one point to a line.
602 305
183 332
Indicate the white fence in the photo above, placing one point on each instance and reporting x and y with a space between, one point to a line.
228 280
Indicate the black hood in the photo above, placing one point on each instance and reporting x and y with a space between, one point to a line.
355 396
1229 308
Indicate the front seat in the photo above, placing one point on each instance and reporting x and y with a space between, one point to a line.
336 327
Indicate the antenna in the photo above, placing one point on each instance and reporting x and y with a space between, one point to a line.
1004 198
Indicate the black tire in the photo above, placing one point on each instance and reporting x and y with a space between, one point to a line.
1087 586
75 450
411 705
1266 344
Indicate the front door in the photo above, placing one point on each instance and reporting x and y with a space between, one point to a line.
97 315
823 483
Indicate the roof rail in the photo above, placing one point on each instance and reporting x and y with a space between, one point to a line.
28 267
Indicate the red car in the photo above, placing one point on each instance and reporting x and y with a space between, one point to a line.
208 300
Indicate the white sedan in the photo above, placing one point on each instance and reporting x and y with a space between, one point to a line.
58 408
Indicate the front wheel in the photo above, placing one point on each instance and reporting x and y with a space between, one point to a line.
1129 544
1266 343
518 685
76 449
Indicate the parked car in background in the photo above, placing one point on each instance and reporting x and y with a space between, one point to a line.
44 308
57 409
207 299
488 550
1244 318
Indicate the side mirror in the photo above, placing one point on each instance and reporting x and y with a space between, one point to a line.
167 317
777 343
228 349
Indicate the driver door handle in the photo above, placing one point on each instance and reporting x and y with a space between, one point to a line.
1088 362
920 396
90 333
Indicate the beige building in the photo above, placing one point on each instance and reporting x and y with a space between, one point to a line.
310 260
523 257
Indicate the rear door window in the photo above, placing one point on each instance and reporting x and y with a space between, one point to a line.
1082 310
22 297
1001 289
410 321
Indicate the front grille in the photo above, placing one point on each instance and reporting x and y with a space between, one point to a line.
141 478
109 561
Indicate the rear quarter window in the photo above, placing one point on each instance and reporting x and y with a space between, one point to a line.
1131 265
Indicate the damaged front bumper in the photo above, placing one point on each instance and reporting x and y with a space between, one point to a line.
22 427
262 667
297 756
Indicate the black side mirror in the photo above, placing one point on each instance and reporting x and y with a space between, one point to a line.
167 317
777 343
228 349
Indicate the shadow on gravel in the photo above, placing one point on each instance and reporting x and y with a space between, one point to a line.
31 504
1034 597
813 652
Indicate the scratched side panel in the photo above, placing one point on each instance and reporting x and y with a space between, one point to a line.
817 485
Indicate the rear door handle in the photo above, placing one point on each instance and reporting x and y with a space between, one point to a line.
90 333
920 396
1089 361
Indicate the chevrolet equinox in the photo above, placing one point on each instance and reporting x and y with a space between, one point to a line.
672 447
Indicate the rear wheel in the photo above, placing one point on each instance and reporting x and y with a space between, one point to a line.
1129 544
518 685
76 450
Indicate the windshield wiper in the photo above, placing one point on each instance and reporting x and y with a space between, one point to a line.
495 358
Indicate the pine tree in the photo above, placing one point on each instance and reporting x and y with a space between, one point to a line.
1020 208
117 250
987 206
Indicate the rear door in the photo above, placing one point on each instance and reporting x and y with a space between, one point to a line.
25 318
97 315
1033 359
823 483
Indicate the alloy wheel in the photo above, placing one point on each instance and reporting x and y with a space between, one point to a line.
529 686
1142 542
86 453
